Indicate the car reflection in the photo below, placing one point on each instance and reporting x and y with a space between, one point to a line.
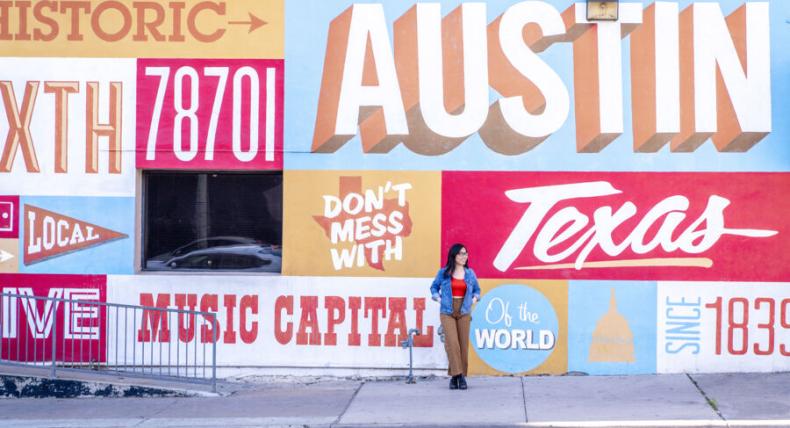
229 253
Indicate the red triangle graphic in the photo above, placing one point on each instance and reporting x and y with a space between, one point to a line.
49 234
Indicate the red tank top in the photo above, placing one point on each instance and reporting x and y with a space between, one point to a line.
459 287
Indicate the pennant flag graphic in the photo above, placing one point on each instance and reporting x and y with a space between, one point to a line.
49 234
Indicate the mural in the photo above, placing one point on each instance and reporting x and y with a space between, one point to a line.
302 168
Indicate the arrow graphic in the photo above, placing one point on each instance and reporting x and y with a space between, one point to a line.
5 256
254 22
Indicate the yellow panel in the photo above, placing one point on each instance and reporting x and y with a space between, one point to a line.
146 29
410 214
9 255
557 293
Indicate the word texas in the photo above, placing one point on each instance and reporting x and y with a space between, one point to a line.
695 74
568 231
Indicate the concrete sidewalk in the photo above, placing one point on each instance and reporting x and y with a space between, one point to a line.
715 400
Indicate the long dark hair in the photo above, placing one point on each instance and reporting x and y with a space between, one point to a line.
450 266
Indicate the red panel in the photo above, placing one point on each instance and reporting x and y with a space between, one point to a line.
28 327
203 114
9 217
674 226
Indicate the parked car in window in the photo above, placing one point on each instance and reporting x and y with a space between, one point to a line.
227 253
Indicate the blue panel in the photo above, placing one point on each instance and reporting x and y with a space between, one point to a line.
112 257
307 24
607 339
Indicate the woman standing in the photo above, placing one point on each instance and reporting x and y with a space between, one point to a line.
456 288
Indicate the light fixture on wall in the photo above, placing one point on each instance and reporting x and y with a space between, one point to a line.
602 10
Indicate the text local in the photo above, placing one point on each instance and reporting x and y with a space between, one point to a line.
56 233
688 85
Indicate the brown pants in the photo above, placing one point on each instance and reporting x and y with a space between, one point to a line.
456 339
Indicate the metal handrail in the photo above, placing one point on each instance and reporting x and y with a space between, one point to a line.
107 350
409 343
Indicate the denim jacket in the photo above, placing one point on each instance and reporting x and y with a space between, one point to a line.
441 290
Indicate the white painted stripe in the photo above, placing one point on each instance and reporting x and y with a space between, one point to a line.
270 113
666 423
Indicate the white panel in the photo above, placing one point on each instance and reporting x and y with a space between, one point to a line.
74 182
265 349
702 326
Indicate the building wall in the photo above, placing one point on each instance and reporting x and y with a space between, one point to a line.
620 186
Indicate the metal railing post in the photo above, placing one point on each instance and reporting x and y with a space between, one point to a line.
214 355
2 323
54 336
409 343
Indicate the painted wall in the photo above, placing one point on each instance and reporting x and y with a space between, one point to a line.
620 186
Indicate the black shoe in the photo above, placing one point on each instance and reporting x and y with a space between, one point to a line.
461 382
454 382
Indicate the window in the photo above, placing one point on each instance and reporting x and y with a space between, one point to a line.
212 221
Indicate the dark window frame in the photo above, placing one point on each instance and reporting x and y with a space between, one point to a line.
275 237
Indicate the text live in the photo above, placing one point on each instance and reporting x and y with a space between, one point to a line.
37 316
